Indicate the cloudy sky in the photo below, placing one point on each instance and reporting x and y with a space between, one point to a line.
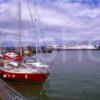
65 19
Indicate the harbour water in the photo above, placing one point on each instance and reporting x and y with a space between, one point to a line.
75 75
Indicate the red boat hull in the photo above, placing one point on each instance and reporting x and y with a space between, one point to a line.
33 77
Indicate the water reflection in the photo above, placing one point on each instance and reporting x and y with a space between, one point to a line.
68 80
27 89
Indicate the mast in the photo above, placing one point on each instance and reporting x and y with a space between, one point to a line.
33 25
4 38
20 27
1 41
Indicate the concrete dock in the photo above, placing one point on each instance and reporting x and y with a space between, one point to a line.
8 93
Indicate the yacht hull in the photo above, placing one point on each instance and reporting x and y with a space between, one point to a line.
26 77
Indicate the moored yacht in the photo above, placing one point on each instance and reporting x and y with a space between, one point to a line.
22 72
14 67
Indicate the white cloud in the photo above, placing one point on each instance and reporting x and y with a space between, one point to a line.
81 20
47 16
88 12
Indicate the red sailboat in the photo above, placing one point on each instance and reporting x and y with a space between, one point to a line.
14 71
14 67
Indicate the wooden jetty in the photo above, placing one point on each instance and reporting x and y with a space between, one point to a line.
8 93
